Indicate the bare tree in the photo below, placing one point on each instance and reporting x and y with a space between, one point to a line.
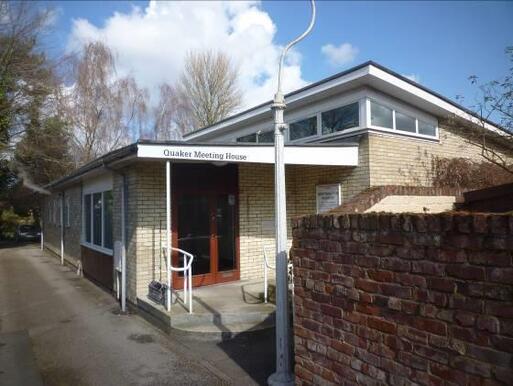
105 112
207 90
496 104
165 114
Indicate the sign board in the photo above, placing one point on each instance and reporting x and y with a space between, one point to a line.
328 197
294 155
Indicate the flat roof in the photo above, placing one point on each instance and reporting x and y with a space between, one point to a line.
371 73
334 154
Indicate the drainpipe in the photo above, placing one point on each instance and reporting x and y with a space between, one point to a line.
62 228
123 233
168 235
123 242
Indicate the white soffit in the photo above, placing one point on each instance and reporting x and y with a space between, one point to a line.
367 75
295 98
428 97
294 155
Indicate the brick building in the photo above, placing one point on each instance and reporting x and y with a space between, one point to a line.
364 127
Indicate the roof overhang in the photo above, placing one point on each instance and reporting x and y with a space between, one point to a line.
369 74
318 154
177 151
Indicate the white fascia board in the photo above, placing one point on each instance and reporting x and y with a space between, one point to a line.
319 89
361 73
98 184
430 98
294 155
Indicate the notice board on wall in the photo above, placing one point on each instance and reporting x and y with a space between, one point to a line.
328 197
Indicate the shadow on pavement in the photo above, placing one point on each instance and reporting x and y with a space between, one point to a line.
254 352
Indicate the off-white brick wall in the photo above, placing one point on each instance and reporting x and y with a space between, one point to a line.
51 229
399 160
256 197
383 160
146 226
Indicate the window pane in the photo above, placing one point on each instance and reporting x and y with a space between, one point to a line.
340 119
427 128
67 217
381 116
97 219
247 138
304 128
107 219
66 212
404 122
266 137
87 217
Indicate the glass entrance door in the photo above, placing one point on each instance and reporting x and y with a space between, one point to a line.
194 231
225 223
206 227
205 221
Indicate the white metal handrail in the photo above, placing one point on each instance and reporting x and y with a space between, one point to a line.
187 274
267 266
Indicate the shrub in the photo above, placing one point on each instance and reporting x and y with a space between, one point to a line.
465 174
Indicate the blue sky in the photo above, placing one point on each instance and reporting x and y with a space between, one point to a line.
440 43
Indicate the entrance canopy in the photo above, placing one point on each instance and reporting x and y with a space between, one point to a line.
316 154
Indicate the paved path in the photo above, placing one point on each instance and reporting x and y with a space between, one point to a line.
73 331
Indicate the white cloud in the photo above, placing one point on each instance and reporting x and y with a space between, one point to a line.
413 77
339 55
151 43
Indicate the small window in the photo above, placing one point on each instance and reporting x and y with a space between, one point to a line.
305 128
427 128
98 213
250 138
87 217
97 219
107 219
340 119
265 137
404 122
381 116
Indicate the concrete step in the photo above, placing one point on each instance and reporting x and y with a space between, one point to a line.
220 312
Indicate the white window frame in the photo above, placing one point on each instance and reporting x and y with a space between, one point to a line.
363 96
319 127
91 244
403 110
328 107
317 116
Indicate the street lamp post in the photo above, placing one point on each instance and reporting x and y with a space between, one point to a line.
283 374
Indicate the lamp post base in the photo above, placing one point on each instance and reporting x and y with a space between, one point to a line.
281 379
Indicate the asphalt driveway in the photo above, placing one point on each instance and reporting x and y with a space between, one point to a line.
60 329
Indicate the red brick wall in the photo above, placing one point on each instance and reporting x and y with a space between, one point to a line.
403 299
